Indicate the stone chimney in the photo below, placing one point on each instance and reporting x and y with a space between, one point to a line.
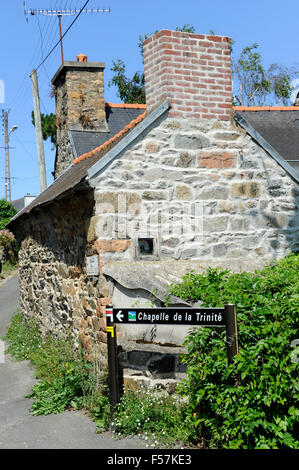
80 105
192 71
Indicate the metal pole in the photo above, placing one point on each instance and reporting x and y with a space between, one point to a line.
38 131
61 46
113 379
7 162
231 332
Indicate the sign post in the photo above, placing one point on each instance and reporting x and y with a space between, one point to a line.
211 317
231 332
113 376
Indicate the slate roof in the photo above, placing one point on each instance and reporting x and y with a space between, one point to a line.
279 126
22 202
68 180
76 173
18 204
117 116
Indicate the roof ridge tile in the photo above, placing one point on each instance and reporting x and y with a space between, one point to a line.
127 105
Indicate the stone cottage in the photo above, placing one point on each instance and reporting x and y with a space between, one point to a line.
143 195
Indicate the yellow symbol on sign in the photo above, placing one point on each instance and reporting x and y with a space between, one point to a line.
110 329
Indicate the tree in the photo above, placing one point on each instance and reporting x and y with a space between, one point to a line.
48 126
7 211
129 90
133 90
257 86
254 85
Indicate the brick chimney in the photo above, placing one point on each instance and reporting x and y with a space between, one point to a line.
192 71
80 105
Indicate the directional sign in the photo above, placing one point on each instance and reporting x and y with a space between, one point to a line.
225 316
174 316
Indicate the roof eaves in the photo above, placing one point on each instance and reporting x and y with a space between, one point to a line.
112 154
266 108
267 147
35 202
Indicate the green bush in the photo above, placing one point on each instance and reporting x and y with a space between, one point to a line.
63 391
9 246
253 403
7 211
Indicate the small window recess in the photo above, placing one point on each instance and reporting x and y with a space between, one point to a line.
147 248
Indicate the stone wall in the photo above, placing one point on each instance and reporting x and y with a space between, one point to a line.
207 195
202 190
54 287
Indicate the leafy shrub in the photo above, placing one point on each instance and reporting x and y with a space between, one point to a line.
55 396
9 245
253 403
7 211
6 238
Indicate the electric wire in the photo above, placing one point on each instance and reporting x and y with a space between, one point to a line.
47 35
63 35
24 86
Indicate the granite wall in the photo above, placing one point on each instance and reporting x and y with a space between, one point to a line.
54 285
202 193
202 190
205 194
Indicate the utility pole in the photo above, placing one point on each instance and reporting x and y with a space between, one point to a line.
60 32
38 131
7 163
7 159
60 13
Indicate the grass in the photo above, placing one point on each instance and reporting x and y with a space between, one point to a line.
68 381
7 268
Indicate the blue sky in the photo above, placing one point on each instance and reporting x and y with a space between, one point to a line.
105 37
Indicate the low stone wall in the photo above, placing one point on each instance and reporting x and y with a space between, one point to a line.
54 287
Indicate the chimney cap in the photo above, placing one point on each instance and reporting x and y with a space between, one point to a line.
81 58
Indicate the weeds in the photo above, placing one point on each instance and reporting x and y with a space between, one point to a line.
67 380
157 418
